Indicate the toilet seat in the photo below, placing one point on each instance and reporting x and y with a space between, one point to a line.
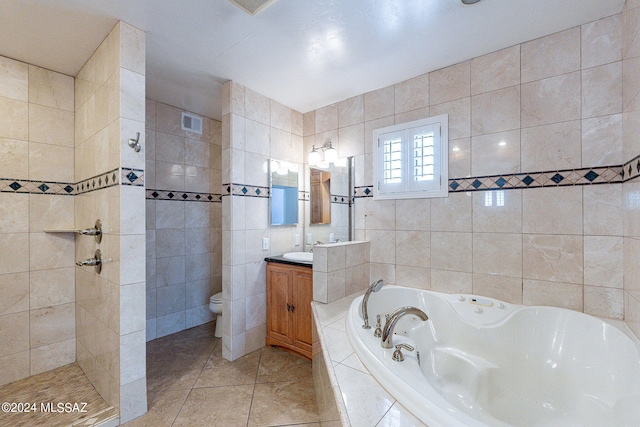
216 298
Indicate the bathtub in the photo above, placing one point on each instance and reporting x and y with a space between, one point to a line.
484 362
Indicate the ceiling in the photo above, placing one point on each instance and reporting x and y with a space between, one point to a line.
303 53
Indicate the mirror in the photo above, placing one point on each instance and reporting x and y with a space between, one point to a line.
329 212
320 196
283 183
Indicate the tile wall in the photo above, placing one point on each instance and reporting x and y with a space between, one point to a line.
110 313
184 218
37 315
631 150
551 104
254 129
339 270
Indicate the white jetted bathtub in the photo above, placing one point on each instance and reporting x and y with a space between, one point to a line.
483 362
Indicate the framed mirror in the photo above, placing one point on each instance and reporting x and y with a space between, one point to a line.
320 196
329 213
283 199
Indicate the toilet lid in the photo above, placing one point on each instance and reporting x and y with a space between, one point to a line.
216 297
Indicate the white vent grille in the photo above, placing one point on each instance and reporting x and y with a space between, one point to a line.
191 123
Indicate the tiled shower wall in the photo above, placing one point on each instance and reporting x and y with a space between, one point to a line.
184 217
37 315
110 314
255 129
631 149
553 103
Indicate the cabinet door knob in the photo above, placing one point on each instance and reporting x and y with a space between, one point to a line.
293 307
288 307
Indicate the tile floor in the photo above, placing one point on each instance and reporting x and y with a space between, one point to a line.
66 384
190 384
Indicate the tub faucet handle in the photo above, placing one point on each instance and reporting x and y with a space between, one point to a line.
397 355
378 332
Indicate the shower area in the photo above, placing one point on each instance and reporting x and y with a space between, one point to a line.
65 162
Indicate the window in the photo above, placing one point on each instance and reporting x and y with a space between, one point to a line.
411 159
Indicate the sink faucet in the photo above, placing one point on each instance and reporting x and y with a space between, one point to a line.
317 242
364 313
387 331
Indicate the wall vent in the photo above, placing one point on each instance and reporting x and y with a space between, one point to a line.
191 123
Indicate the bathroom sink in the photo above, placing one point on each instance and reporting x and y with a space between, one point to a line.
299 256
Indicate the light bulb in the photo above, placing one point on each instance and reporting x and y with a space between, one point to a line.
314 157
330 154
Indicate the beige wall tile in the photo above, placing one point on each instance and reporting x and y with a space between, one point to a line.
412 94
495 218
551 100
19 363
631 267
132 48
554 146
52 356
14 213
459 158
386 272
168 120
413 248
603 261
601 41
53 212
375 215
15 291
552 210
413 214
604 302
451 251
602 210
598 132
378 104
565 295
382 243
132 92
631 206
553 258
497 253
452 213
350 111
450 83
451 282
52 324
496 153
631 84
51 250
495 111
551 55
14 119
51 89
413 277
497 70
351 140
256 107
13 247
14 158
507 289
309 123
51 162
459 112
280 116
52 287
14 79
327 118
602 90
14 333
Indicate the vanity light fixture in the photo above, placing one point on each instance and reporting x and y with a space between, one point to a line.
330 154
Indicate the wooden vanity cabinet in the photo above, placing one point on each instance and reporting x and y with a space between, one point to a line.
289 295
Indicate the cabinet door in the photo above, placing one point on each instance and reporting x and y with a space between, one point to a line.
302 296
278 319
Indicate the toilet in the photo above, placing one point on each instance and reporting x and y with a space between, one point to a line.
215 305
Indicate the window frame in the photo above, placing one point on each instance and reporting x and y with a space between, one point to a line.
409 188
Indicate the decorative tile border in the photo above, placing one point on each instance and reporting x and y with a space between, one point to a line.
133 177
25 186
560 178
98 182
183 196
631 169
363 191
338 199
243 190
118 176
